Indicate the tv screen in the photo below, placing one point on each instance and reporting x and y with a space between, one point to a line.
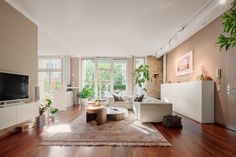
13 86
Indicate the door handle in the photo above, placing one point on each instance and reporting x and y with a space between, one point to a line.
228 89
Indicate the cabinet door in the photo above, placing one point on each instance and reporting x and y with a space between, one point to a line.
69 99
194 98
27 111
165 92
7 117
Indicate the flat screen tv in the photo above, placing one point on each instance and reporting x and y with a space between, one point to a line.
13 87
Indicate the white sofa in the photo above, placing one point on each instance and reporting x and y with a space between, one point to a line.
127 103
151 110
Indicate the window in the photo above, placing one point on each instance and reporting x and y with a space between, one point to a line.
88 73
120 77
105 76
139 61
49 75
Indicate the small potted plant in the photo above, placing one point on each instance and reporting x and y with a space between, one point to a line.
51 110
85 94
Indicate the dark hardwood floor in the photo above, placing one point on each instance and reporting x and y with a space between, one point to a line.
194 140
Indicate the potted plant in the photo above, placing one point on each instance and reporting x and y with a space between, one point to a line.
227 40
141 76
40 120
85 94
51 110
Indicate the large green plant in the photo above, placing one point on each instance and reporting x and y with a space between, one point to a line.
141 75
86 93
227 40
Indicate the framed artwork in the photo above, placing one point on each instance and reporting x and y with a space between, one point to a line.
184 64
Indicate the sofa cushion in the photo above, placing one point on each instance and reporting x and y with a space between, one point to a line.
139 98
149 99
117 98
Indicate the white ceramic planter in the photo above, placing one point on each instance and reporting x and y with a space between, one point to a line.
83 101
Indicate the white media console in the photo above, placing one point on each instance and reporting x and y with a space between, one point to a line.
193 99
12 114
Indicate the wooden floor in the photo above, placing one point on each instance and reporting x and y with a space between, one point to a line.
194 140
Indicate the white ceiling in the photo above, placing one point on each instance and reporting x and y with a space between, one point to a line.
107 27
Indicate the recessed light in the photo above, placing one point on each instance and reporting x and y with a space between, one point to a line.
222 1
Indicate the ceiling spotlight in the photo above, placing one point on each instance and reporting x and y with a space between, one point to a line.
222 1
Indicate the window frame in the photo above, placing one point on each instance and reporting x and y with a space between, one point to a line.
51 70
111 69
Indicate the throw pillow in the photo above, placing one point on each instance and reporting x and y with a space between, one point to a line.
117 98
139 98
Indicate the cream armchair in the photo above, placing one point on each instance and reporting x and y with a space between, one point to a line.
127 103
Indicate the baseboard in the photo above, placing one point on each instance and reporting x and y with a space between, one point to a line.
230 127
233 128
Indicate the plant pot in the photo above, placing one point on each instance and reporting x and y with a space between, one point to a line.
83 101
52 117
40 121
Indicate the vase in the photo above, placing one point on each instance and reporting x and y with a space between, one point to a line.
83 101
40 121
52 117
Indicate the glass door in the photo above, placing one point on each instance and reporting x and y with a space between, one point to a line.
105 75
104 79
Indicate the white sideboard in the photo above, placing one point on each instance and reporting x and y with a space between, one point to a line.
12 114
193 99
63 99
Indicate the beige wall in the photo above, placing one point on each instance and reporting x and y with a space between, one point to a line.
18 44
206 52
155 67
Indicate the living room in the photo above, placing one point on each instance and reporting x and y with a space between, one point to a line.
117 78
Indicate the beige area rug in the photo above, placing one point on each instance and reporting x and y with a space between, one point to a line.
128 132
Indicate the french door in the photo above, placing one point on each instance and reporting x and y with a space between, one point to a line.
104 78
105 75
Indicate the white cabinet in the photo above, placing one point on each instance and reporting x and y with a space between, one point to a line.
13 114
62 99
69 98
27 111
7 117
193 99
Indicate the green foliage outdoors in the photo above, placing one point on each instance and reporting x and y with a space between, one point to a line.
104 76
119 87
227 40
141 75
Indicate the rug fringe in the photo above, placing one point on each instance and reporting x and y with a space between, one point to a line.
114 144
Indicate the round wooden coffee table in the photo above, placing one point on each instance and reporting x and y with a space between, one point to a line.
117 113
97 113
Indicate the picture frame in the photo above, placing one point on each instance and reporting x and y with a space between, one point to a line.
184 64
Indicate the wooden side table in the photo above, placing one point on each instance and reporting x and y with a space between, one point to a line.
97 113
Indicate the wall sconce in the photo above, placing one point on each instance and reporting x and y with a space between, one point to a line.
155 75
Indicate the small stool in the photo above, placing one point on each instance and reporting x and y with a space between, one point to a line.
97 113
